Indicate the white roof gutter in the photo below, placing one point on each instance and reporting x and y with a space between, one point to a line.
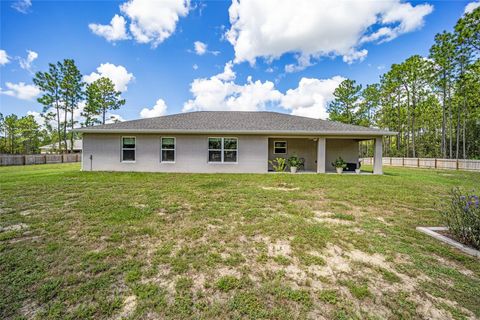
252 132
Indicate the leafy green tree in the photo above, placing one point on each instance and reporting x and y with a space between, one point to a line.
71 94
50 84
443 54
468 30
369 105
414 76
101 98
11 130
19 135
343 107
28 134
463 58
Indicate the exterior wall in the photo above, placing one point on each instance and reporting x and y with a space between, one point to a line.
345 148
302 147
191 154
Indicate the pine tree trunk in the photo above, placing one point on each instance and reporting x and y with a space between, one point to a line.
65 128
58 128
71 132
450 122
444 137
399 134
464 127
458 134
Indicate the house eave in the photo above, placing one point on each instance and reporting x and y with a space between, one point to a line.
243 132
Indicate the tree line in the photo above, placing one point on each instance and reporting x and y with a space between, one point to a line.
63 93
433 103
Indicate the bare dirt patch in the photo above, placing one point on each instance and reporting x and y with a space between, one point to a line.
280 247
329 217
14 227
129 306
281 188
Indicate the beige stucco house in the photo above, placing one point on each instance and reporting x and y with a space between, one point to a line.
224 141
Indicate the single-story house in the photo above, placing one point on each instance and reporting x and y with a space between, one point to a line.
224 141
53 148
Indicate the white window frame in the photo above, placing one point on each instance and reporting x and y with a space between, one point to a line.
134 149
174 149
222 150
286 147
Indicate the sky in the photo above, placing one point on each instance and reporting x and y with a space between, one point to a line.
173 56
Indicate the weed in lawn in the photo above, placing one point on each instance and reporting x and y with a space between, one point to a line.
329 296
227 283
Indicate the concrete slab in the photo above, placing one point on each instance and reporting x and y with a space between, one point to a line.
433 232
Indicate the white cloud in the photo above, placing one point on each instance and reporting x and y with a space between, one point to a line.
37 116
219 92
159 109
112 118
303 61
195 66
3 57
271 28
471 6
355 55
228 74
26 63
200 47
154 21
22 6
118 74
311 97
21 90
115 31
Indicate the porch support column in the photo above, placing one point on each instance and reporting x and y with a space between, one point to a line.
377 160
321 154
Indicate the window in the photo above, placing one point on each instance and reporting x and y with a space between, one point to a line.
128 149
279 147
223 150
168 150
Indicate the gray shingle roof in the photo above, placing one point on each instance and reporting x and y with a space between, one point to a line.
234 122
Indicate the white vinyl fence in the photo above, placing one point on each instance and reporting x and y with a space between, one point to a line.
460 164
25 159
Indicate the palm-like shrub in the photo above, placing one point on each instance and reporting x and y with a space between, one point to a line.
278 164
462 217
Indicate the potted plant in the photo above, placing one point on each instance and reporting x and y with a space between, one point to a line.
278 164
357 171
295 162
339 164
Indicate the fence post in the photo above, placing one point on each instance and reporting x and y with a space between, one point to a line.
457 163
435 163
403 161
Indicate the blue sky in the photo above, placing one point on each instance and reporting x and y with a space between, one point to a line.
248 49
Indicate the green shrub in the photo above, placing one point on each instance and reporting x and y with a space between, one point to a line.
339 163
295 161
278 164
462 217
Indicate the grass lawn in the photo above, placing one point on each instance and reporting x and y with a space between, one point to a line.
141 245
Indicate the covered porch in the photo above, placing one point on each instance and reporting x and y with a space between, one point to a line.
318 153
